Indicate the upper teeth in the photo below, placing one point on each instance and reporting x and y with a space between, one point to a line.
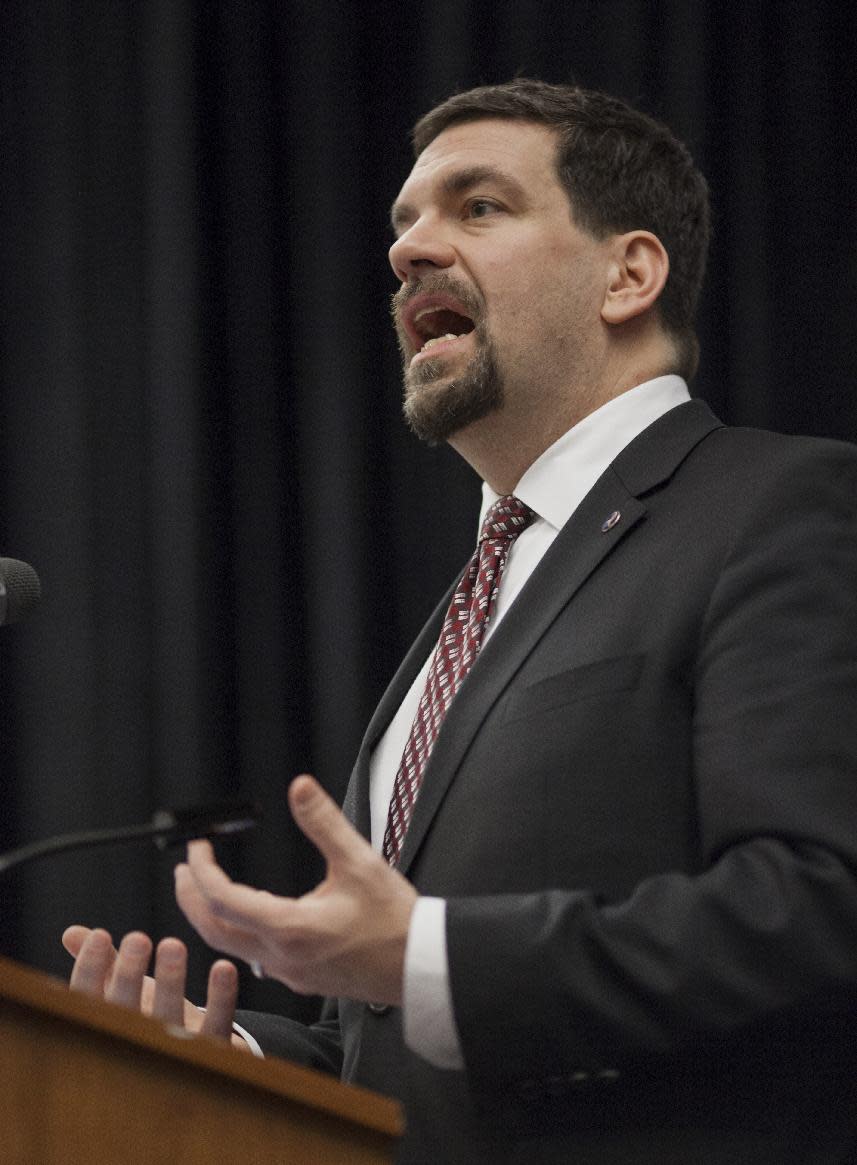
437 339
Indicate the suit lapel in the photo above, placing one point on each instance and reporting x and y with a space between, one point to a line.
587 538
356 803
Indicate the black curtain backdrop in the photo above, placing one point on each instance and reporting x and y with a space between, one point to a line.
201 448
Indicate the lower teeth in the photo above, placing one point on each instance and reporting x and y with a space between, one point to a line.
437 339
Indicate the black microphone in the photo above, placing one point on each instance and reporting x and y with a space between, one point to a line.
20 590
167 827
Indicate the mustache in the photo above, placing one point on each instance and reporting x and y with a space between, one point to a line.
437 285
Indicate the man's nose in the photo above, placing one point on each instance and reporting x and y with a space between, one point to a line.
421 246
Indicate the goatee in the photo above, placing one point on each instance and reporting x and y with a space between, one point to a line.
435 409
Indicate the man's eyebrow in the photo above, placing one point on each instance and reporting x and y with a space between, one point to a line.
459 182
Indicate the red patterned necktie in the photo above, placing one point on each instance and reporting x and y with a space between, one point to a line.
460 638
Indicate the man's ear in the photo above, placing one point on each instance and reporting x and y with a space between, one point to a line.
638 270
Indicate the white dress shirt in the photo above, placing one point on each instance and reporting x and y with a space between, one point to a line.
553 487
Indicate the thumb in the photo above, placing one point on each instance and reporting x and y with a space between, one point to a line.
322 821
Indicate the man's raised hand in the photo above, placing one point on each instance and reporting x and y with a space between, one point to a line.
346 937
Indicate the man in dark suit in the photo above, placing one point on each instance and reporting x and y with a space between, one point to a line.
615 916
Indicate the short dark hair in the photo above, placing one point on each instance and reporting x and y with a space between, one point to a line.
622 171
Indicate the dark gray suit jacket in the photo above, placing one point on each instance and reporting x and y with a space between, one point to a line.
642 810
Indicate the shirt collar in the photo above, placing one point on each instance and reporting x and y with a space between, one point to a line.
558 480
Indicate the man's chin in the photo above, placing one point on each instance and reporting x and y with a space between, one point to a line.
437 409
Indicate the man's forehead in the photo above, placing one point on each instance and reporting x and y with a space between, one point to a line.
522 150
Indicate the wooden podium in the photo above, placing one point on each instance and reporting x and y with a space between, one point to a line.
82 1080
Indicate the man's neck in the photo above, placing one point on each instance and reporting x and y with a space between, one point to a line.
501 447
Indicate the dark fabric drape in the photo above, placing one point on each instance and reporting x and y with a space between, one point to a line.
200 443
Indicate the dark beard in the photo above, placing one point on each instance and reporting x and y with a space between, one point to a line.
435 413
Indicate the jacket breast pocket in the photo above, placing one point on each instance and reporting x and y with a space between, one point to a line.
600 678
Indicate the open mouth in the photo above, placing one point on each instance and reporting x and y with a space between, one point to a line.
433 325
430 320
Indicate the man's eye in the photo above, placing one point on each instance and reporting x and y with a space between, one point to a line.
480 207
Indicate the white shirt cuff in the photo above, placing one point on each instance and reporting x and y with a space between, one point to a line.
427 1015
251 1041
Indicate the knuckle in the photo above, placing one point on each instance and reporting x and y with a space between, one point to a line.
217 906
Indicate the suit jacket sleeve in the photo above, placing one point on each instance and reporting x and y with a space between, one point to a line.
317 1045
765 926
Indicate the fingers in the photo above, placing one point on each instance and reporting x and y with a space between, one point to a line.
323 822
99 969
129 970
221 1000
93 963
120 977
225 913
170 976
170 1005
73 939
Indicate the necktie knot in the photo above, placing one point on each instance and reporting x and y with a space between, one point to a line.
507 518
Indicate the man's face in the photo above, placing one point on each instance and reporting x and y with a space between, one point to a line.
500 301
